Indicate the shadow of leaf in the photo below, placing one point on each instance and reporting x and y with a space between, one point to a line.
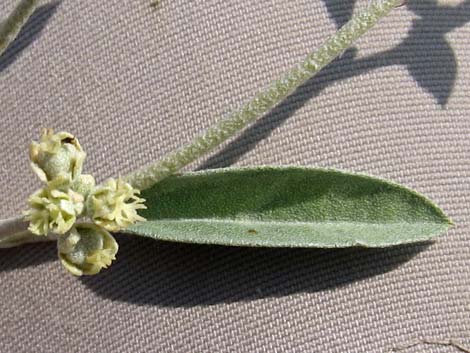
148 272
436 70
426 52
435 73
28 34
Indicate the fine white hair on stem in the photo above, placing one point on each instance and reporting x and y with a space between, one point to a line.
12 25
431 342
265 100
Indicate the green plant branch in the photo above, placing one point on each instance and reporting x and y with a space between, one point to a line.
265 100
432 342
14 232
10 28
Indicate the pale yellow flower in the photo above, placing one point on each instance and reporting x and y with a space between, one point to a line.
52 209
114 205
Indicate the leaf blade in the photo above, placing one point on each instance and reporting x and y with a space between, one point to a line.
288 207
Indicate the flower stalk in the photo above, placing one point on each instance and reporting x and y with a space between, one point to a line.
265 100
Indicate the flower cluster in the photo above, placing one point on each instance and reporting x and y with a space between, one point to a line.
114 205
67 195
53 208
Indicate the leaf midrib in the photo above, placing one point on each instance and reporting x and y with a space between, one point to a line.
273 222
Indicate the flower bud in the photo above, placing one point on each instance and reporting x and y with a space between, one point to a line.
56 155
86 249
114 205
53 210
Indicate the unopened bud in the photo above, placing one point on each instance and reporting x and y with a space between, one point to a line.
56 155
84 184
86 249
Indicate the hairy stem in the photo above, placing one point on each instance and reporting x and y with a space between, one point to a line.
14 232
432 342
10 28
265 100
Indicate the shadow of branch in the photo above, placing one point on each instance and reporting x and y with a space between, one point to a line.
26 256
148 272
28 34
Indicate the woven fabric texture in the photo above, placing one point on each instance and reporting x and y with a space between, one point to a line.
133 82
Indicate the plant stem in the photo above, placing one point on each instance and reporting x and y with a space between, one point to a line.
10 28
432 342
265 100
14 232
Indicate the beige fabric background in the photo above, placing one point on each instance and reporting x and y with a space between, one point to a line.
134 82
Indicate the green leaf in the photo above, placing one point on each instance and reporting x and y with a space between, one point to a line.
287 207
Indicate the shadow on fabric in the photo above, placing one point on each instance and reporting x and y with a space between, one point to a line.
28 34
148 272
435 71
27 256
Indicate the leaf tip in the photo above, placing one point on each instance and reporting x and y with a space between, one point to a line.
449 222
